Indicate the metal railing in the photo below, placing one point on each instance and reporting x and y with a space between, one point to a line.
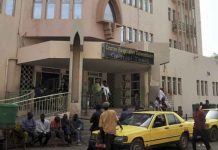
50 104
18 98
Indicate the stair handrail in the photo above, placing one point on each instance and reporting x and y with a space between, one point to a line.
16 99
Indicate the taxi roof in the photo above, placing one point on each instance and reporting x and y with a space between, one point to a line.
153 112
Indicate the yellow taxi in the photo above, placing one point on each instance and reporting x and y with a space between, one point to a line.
150 129
212 123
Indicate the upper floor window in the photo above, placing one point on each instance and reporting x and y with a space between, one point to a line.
109 13
1 1
10 7
77 9
150 6
65 9
179 86
37 9
198 87
50 13
169 14
123 34
140 4
140 36
214 88
146 5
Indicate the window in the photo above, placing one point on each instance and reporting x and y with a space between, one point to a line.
179 86
169 85
170 43
10 7
198 87
109 13
134 3
172 119
1 2
202 88
140 37
174 86
150 6
164 83
123 34
174 15
146 5
140 4
206 88
134 31
77 9
65 9
130 34
169 14
214 88
50 13
159 121
151 37
37 9
145 36
175 45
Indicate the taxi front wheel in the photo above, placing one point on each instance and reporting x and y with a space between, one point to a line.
137 144
213 134
183 142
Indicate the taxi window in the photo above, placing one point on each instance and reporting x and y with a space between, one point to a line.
159 121
172 119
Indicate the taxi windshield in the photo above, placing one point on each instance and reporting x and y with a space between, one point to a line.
138 119
212 114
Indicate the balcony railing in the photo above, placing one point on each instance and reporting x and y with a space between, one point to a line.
178 26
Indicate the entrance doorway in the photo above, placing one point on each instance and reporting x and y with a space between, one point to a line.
50 82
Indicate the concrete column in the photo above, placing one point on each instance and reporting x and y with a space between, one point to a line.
76 70
144 89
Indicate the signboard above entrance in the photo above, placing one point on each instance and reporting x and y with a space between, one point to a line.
116 52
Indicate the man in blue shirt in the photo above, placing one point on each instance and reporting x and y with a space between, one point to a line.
29 126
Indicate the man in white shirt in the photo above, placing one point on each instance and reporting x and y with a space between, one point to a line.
106 91
43 130
161 94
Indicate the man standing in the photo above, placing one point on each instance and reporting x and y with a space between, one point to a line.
43 130
106 92
161 94
200 128
108 122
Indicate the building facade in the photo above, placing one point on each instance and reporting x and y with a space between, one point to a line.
137 46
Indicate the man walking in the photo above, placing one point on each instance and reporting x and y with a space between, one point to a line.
108 122
200 128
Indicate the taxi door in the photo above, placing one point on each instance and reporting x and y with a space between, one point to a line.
175 126
159 130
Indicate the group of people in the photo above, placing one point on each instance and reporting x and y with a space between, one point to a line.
100 93
161 104
42 130
106 122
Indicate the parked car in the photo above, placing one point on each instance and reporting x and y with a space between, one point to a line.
212 123
150 129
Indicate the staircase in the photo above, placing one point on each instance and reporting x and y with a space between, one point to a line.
48 105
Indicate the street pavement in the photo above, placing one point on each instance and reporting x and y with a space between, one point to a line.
58 145
214 146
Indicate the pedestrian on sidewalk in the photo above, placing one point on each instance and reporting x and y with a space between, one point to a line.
200 128
108 122
95 121
77 126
